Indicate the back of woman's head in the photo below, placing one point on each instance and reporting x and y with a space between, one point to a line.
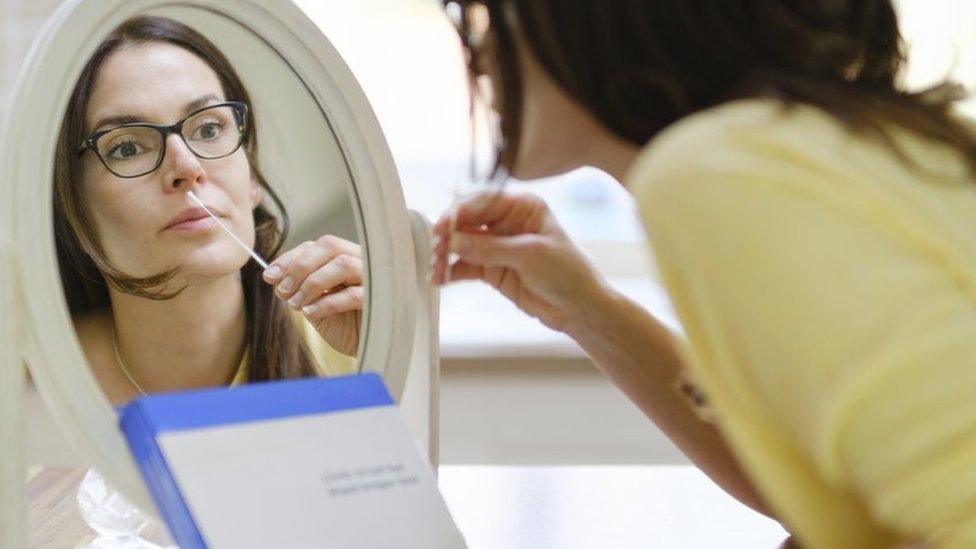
640 65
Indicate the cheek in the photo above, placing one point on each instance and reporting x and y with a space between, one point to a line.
233 176
121 226
553 134
533 152
106 203
239 186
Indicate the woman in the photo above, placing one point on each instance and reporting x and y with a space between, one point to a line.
162 298
815 226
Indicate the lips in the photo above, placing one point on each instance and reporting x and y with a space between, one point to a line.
190 215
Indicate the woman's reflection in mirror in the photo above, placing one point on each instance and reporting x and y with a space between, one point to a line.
162 299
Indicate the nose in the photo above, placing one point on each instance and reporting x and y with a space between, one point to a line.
182 169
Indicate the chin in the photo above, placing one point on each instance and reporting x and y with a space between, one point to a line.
209 266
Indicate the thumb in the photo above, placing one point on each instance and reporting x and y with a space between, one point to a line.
494 251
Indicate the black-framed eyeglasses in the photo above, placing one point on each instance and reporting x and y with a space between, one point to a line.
133 150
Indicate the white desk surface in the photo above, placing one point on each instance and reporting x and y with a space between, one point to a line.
584 507
479 323
497 507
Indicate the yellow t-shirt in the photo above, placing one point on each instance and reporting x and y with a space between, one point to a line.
828 294
330 362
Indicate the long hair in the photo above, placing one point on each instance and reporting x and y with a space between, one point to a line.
273 341
638 66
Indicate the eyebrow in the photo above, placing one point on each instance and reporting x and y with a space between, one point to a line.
119 119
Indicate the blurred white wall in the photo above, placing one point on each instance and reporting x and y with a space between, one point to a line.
20 20
405 55
941 37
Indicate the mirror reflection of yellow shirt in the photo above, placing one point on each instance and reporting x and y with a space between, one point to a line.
828 294
330 362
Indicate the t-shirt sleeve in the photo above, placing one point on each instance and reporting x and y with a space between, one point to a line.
330 362
809 294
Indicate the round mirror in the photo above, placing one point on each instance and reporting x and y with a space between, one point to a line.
125 109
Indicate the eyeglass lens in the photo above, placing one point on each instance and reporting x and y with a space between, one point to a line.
135 150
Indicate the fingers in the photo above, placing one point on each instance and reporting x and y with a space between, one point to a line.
466 271
522 217
276 270
289 271
488 206
478 250
344 270
342 301
494 251
501 212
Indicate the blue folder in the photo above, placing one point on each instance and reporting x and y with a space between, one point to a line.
147 417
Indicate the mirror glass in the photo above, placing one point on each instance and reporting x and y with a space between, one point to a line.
163 292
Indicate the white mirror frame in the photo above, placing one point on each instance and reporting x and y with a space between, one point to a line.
55 358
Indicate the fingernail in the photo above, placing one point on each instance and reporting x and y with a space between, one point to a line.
273 272
436 241
296 300
286 284
309 309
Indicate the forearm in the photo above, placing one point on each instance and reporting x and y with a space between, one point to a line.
641 357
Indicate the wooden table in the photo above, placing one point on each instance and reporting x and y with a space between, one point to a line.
520 507
53 518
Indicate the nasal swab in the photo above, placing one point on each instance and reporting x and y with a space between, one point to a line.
261 262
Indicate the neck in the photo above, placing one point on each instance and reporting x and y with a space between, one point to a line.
612 155
193 340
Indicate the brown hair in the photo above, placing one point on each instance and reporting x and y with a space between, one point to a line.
273 341
640 65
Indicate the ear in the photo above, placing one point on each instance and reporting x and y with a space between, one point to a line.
257 193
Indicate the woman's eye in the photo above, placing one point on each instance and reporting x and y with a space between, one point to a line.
124 151
208 131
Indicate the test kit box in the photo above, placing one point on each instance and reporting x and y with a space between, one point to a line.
305 463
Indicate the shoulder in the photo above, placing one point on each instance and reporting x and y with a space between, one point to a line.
765 132
758 159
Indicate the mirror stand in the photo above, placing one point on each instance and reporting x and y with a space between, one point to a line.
420 403
13 474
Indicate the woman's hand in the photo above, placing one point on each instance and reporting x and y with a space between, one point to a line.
324 279
513 242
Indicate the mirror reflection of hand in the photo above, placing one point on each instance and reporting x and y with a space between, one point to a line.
324 279
513 242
